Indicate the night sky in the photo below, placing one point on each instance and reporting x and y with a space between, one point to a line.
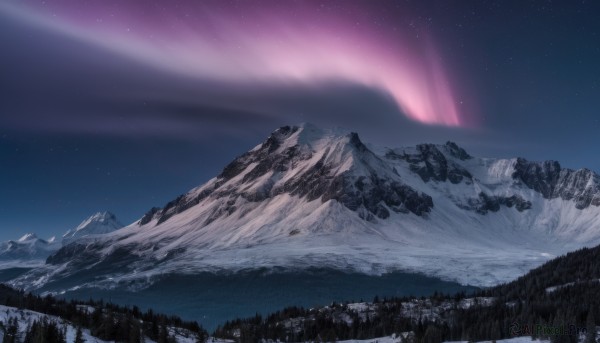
122 105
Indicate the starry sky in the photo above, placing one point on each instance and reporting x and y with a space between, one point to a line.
122 105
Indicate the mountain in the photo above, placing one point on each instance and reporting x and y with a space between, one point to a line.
98 224
308 197
27 248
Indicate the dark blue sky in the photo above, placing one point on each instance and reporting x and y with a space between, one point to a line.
87 126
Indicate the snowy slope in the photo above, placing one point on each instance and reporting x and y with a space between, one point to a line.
394 339
98 224
308 197
26 318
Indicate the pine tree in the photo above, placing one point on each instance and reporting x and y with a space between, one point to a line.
135 335
11 331
79 336
32 332
590 335
163 336
201 338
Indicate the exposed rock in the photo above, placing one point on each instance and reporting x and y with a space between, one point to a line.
456 151
552 181
147 218
373 192
377 194
431 164
491 203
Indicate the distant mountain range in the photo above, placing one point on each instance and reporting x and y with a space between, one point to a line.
29 248
308 197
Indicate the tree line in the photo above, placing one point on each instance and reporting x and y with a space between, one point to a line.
104 320
559 301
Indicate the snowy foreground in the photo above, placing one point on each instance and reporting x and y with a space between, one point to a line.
394 339
25 318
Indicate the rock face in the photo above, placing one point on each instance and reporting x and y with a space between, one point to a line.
308 197
371 186
486 203
431 164
552 181
362 187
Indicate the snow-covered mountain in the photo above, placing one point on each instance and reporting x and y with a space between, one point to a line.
30 250
308 197
98 224
27 248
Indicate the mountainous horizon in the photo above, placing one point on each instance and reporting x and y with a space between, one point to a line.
308 197
284 162
29 250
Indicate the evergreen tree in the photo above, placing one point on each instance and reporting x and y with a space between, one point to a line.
11 331
135 334
163 336
590 334
79 336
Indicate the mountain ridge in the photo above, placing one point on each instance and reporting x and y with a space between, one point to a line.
309 197
27 248
30 250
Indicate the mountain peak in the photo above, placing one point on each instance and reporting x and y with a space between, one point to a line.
27 248
310 197
308 163
98 223
28 237
457 151
304 134
102 216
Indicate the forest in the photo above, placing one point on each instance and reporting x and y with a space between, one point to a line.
558 301
106 321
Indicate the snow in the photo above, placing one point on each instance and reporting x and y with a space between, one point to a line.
30 251
27 237
284 230
568 284
520 339
387 339
26 318
394 339
98 224
26 251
